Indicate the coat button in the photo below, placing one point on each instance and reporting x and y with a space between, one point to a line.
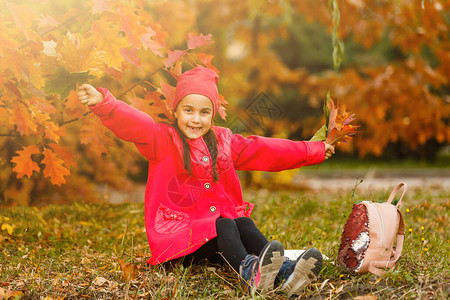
212 209
207 185
205 158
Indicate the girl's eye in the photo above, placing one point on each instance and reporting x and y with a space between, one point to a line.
205 112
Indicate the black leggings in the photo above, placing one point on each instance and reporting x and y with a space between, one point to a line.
235 239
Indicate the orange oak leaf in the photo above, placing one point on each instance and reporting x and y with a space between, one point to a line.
54 167
130 55
22 119
24 164
196 41
64 153
339 128
221 110
73 106
206 61
131 25
173 57
169 93
93 134
148 42
42 105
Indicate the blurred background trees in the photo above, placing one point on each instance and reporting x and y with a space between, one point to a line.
275 63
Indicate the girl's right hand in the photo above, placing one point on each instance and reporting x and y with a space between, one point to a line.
88 95
329 150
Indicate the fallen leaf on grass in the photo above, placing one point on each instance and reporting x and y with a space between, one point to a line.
100 281
7 294
130 271
366 297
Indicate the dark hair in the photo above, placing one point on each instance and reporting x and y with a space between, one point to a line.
210 141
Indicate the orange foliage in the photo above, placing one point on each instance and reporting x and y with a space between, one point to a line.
137 49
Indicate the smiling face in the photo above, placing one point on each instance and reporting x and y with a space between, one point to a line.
194 115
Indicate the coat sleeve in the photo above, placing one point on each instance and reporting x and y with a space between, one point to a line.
129 123
273 154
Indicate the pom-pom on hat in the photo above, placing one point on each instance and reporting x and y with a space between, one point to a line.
200 80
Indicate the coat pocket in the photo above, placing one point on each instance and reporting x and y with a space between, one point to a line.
170 221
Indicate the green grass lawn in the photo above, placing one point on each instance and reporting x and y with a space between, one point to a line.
76 251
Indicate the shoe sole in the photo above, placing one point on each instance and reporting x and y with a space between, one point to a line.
271 259
306 271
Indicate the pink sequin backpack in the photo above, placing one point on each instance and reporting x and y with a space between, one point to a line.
367 243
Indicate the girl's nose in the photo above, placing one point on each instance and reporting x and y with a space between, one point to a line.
196 118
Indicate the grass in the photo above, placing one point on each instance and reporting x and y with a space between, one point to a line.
76 251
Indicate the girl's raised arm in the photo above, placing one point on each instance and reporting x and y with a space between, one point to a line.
125 121
273 154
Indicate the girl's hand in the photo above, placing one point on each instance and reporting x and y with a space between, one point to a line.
88 95
329 150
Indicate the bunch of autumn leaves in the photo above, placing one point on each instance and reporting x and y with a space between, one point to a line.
337 126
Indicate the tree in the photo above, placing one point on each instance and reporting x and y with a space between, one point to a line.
51 149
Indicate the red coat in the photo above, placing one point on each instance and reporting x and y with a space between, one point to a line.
181 210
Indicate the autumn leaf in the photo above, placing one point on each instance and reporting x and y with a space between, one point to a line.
64 153
130 271
10 295
321 134
169 93
8 228
196 41
148 42
130 25
130 55
62 82
23 16
206 61
221 110
173 57
93 134
54 167
100 6
24 164
109 40
47 21
80 55
21 118
73 107
337 128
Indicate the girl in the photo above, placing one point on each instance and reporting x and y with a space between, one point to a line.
193 203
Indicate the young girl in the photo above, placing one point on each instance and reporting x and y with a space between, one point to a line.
193 202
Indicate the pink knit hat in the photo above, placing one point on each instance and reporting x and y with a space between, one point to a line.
200 80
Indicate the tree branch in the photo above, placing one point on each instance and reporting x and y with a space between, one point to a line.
73 120
139 82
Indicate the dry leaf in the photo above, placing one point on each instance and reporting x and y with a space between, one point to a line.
130 271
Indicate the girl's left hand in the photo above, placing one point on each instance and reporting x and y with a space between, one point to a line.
329 150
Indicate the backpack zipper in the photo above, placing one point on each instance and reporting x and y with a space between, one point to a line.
382 224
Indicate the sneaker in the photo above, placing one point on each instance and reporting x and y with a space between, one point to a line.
294 276
260 272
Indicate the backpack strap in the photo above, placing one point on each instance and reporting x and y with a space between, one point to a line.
376 267
395 191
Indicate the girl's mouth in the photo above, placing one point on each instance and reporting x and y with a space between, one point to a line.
194 129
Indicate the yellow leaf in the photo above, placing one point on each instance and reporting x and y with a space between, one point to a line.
107 35
80 55
54 167
24 17
8 228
